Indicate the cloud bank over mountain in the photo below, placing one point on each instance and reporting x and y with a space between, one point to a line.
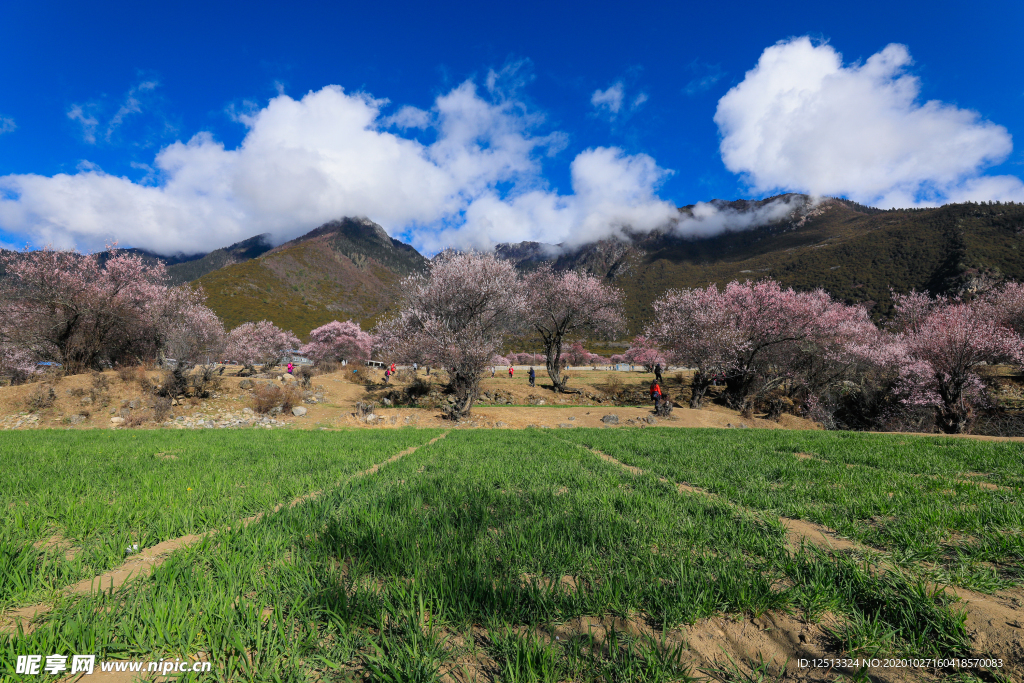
331 153
469 172
800 120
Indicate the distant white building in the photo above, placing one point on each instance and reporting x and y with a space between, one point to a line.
293 356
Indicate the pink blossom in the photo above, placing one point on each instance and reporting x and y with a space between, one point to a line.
338 341
457 317
261 343
79 310
568 304
642 351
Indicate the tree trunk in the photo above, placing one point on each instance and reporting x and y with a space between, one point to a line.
954 414
553 358
737 387
698 388
465 389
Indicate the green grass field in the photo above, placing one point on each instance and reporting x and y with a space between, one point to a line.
464 557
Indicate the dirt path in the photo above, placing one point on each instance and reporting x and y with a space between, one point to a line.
995 623
156 555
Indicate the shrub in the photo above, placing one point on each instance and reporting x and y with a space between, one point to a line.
203 380
290 397
161 409
43 397
326 367
359 375
266 397
20 376
134 419
129 373
173 384
100 383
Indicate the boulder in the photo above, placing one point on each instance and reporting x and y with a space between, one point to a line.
245 384
298 411
610 419
117 420
77 419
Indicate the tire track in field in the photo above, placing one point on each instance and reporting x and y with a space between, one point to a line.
153 556
797 530
970 481
995 623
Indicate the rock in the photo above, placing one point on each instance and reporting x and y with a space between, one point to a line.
86 401
571 418
248 411
276 410
117 420
77 419
610 419
499 423
566 425
245 384
113 411
134 404
386 401
298 411
651 420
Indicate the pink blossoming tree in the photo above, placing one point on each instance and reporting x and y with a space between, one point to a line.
642 351
697 329
457 316
261 343
570 304
79 310
337 341
953 339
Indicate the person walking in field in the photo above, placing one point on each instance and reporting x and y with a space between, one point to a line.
493 368
387 375
533 376
510 371
656 395
657 373
291 366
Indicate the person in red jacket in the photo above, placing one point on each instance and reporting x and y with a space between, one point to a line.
656 395
510 371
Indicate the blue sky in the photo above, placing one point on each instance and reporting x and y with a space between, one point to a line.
187 126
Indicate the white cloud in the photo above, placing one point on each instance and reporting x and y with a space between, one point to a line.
330 154
88 121
612 191
613 101
7 125
801 120
609 100
131 105
711 218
